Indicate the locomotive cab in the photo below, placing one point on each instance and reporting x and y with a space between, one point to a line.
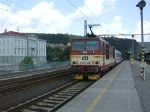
85 58
91 58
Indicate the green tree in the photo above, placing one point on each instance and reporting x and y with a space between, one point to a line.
49 52
27 60
27 63
57 53
67 53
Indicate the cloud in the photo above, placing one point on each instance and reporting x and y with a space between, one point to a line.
91 8
46 19
116 27
41 18
146 30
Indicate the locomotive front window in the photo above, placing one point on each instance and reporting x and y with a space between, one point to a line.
92 45
78 46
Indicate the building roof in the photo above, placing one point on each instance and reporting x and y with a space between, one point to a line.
14 33
19 34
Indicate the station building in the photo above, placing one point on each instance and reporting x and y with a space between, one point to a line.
15 46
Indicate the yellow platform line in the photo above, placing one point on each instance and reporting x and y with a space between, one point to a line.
93 105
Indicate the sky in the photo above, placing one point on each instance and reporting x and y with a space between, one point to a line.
67 16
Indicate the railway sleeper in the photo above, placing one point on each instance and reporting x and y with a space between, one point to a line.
73 89
45 104
51 101
71 92
60 96
27 110
66 94
55 98
34 107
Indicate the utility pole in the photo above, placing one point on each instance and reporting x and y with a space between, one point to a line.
141 5
133 50
85 28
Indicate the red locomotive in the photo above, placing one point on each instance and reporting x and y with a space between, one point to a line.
91 57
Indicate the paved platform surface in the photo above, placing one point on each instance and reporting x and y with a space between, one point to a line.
115 92
142 86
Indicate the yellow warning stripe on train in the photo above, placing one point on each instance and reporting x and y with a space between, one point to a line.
99 56
74 56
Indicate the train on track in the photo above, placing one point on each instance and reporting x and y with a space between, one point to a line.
92 57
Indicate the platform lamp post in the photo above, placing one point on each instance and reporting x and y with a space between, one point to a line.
141 5
133 50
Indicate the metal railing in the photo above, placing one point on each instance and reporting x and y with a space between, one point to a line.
19 68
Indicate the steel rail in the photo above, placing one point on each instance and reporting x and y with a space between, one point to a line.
52 101
22 83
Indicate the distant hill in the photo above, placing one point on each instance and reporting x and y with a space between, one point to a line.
57 38
121 44
125 45
146 47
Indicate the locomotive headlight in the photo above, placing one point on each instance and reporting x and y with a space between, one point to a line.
93 62
97 62
75 62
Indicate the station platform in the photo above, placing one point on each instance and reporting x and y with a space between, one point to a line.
115 92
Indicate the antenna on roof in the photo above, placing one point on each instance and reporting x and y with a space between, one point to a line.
18 29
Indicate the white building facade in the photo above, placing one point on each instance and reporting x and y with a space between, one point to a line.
14 47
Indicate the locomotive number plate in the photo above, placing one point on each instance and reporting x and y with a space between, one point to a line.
85 63
85 58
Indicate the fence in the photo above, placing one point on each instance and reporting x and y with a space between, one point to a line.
18 68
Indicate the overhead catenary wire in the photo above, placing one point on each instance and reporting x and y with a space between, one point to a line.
90 11
80 11
93 15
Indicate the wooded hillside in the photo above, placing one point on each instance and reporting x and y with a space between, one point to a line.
121 44
57 38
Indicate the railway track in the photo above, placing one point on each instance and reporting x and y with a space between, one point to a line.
9 86
30 73
52 101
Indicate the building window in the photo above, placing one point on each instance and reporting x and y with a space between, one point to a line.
3 60
15 41
4 43
3 51
14 60
18 42
25 43
7 51
7 42
22 51
15 50
18 50
25 51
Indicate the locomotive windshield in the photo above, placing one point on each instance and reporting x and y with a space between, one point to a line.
78 46
88 45
92 45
